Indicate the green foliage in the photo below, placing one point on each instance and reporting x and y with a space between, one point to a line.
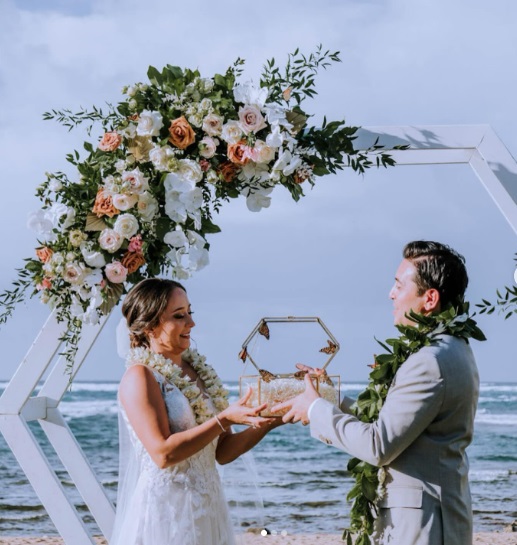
365 492
506 302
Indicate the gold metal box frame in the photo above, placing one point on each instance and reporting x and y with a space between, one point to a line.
291 385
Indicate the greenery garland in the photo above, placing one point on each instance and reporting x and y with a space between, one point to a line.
369 479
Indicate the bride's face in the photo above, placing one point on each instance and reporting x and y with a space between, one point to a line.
173 333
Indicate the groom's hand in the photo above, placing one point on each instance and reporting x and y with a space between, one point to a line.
298 407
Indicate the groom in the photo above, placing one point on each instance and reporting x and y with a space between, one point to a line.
427 420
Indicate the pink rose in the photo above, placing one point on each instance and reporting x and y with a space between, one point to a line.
205 165
110 141
251 120
116 272
135 244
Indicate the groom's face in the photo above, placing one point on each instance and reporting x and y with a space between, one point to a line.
404 294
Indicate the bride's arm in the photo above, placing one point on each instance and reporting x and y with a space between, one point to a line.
142 400
232 445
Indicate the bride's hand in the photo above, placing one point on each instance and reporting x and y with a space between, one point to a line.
316 371
239 413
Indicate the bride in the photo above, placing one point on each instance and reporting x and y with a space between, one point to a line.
175 423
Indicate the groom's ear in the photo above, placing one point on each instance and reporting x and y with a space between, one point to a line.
432 301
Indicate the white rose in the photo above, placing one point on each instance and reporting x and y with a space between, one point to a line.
74 272
208 84
262 153
190 170
207 147
205 104
213 124
196 120
120 165
149 123
92 258
129 131
232 132
160 157
147 206
57 259
110 240
211 176
123 201
126 225
55 185
136 181
176 239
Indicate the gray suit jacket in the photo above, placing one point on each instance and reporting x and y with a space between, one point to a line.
420 439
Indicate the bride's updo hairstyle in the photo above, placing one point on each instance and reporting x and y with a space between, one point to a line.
144 305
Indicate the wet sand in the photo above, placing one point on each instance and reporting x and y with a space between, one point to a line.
491 538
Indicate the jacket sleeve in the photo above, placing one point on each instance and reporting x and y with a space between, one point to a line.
412 403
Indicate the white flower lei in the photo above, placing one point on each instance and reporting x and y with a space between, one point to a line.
173 373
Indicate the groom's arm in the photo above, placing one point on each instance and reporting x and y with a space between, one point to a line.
411 405
345 406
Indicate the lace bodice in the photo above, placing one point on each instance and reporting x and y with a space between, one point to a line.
182 504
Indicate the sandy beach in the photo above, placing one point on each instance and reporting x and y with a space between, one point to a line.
490 538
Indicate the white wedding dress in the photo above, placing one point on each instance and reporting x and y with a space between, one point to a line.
180 505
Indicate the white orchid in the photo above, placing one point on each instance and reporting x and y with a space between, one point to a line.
247 93
257 198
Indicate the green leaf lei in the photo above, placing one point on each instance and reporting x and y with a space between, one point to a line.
455 321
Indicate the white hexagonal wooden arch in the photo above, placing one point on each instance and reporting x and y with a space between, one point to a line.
476 145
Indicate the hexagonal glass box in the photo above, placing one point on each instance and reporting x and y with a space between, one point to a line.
274 347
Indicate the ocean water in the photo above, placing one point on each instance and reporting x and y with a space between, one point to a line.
301 483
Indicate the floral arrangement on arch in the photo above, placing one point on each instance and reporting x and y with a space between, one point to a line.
170 153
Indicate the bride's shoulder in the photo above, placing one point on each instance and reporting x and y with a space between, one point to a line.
138 380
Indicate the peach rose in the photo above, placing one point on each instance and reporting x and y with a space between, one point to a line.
181 133
103 205
238 153
44 254
45 284
132 261
110 141
227 171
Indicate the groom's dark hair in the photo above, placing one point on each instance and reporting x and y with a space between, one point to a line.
144 305
438 267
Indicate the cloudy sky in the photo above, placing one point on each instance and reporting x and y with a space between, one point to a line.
334 254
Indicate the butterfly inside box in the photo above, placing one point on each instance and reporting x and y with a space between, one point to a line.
275 387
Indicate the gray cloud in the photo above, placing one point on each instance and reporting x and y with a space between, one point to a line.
334 253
